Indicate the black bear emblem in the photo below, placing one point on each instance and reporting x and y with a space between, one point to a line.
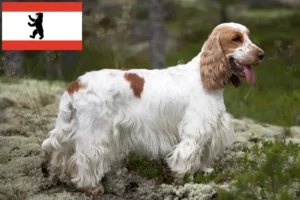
38 25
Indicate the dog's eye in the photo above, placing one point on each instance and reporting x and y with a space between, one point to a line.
237 39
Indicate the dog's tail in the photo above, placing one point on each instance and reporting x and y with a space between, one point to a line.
64 127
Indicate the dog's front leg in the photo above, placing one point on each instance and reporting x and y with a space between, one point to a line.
188 155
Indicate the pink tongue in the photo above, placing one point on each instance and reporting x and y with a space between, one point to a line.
250 76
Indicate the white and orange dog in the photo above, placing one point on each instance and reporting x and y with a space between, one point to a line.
177 112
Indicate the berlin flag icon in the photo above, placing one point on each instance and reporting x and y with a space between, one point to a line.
41 25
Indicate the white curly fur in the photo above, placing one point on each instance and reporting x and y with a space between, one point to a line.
175 117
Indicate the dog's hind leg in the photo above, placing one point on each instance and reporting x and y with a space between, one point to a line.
62 135
94 151
60 140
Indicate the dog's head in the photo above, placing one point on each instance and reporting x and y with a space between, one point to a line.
229 54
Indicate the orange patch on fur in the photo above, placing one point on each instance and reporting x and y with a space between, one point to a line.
136 83
75 87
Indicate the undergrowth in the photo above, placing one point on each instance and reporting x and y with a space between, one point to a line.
156 169
265 171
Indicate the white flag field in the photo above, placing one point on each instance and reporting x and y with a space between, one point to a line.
41 25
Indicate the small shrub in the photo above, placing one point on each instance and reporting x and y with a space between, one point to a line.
270 179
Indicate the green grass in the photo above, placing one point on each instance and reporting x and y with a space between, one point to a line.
155 169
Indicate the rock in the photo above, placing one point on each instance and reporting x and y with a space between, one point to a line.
248 120
266 131
128 184
59 196
297 120
189 191
293 140
239 125
247 129
295 132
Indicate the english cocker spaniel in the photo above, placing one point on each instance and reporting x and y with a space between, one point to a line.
177 112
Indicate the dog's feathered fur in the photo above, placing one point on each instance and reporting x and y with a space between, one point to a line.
177 112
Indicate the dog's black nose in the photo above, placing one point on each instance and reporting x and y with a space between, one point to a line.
260 55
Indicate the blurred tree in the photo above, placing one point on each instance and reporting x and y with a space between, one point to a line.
54 69
223 9
219 6
273 3
13 63
69 59
292 3
158 34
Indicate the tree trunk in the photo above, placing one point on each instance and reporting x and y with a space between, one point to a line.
158 34
223 14
13 64
53 68
69 60
223 5
49 65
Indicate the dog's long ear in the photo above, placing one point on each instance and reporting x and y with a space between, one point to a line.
213 64
235 80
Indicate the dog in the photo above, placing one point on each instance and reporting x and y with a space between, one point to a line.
177 112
